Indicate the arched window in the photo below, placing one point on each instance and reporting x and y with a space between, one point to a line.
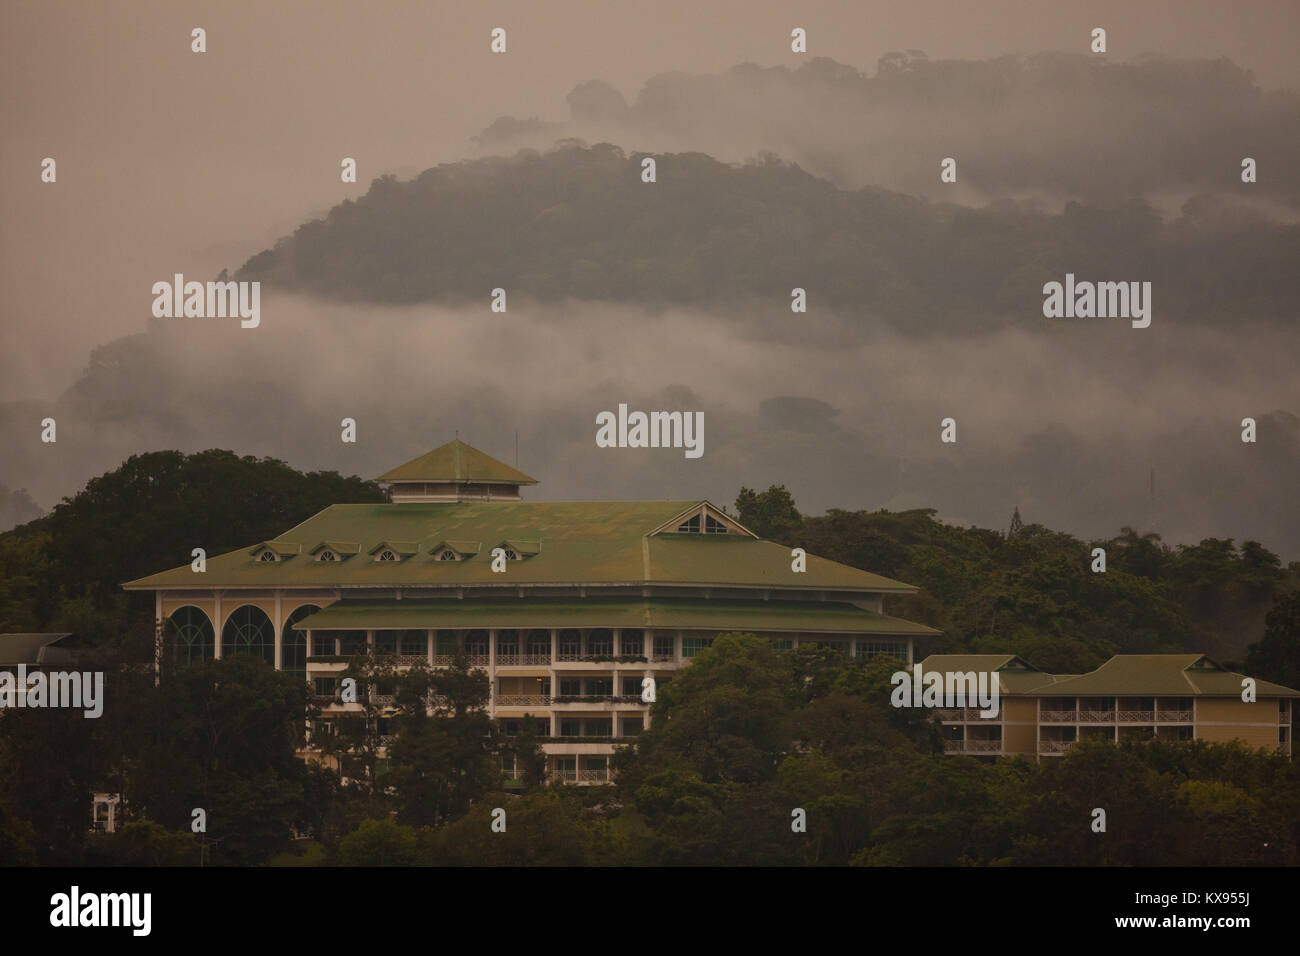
293 655
267 555
327 555
446 554
386 555
249 631
510 555
191 636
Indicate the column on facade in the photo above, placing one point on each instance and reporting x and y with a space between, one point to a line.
430 643
492 671
279 635
218 626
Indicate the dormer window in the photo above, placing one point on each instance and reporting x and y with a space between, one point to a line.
267 555
511 555
386 555
690 527
703 518
327 555
713 526
446 554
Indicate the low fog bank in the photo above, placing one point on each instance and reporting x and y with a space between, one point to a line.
1066 420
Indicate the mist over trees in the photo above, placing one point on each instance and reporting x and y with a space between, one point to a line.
1053 125
577 222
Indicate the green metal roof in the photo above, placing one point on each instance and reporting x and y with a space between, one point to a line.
457 461
1014 675
667 613
34 649
1161 675
580 542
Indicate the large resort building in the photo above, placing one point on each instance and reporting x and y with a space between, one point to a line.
567 606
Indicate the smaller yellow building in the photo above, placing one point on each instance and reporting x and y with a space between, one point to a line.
1131 696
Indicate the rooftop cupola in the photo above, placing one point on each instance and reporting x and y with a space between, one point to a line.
454 472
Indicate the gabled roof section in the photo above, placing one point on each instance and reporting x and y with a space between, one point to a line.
457 462
34 649
521 547
587 543
406 548
285 549
337 546
1015 675
1162 675
462 547
706 511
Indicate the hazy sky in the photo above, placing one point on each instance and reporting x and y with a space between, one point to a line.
170 161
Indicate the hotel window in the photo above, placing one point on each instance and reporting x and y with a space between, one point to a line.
476 644
323 645
874 648
785 644
325 686
508 642
570 643
600 643
321 729
414 642
539 643
693 645
633 643
600 687
570 687
352 643
571 728
600 728
632 726
447 643
542 726
598 764
631 687
385 642
510 728
663 646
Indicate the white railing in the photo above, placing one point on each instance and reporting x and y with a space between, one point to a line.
1057 716
593 776
1137 716
1054 746
1174 716
522 700
1096 716
506 659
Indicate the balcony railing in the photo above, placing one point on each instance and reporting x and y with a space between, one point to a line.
521 660
1057 716
593 776
950 714
1137 716
597 699
1174 716
1096 716
523 700
1054 746
972 746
